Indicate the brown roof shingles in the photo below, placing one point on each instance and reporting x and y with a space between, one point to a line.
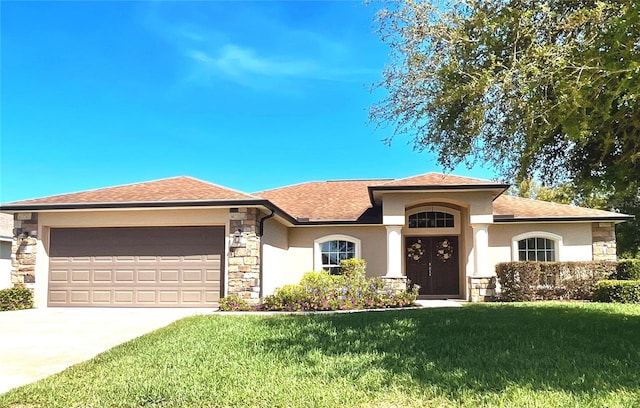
323 200
170 189
439 179
349 200
519 207
346 200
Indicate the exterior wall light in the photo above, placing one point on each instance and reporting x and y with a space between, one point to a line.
239 240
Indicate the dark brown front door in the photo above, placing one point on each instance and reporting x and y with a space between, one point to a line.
433 263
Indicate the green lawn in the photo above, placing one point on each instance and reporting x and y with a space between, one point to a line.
515 355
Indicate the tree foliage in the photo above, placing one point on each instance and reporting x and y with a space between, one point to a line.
545 88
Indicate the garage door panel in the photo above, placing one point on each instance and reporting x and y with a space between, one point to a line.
103 297
59 276
79 275
109 266
147 275
146 296
213 275
212 296
191 296
124 276
192 275
79 296
170 297
171 276
58 297
124 296
102 275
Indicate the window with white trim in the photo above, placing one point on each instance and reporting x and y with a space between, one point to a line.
536 249
332 249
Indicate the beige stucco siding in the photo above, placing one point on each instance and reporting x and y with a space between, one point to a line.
275 257
479 204
575 240
373 247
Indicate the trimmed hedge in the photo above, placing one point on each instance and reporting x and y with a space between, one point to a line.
628 269
619 291
528 281
16 298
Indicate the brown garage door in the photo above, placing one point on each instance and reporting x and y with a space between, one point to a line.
136 267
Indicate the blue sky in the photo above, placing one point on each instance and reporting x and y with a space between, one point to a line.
249 95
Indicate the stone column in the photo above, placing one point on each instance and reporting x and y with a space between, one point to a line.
603 238
24 250
243 271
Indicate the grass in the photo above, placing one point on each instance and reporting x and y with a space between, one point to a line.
506 355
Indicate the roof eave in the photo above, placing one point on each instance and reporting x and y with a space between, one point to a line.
126 204
149 204
498 188
511 219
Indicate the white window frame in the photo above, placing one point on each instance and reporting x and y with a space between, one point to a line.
317 247
557 243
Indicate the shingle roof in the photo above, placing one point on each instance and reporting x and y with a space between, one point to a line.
348 200
519 207
170 189
439 179
324 200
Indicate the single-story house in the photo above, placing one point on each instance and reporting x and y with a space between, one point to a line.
183 242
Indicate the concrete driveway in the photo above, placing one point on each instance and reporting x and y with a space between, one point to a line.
36 343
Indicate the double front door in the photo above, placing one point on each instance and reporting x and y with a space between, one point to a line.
433 263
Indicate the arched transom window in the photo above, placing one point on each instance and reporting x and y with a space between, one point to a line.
431 219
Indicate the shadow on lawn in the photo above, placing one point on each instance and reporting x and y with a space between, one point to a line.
482 349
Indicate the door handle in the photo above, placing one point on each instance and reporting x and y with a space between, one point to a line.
429 269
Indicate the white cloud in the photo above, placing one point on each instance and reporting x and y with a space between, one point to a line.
247 67
235 61
278 56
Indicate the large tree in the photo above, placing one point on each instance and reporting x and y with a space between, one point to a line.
549 89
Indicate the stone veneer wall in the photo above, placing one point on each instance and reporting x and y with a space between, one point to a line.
243 273
482 288
23 249
397 284
603 235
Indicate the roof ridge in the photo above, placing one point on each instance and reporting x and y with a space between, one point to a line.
437 173
220 186
318 182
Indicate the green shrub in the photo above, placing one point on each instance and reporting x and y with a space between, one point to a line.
619 291
527 281
234 303
16 298
320 279
628 269
353 267
322 291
